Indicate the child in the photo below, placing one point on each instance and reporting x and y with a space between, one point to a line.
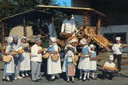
69 63
84 62
106 68
53 66
93 58
9 66
25 58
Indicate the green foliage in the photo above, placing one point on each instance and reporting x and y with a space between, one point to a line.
10 7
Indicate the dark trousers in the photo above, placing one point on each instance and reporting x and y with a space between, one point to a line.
118 57
110 73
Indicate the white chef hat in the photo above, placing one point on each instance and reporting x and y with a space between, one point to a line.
83 41
69 53
73 40
53 39
111 57
92 46
118 38
23 38
9 40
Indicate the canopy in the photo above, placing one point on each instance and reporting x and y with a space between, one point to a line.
29 14
72 10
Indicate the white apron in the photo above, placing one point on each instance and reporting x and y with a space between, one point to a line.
84 63
67 61
10 65
25 61
53 67
93 63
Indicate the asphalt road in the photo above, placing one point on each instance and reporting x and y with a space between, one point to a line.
27 81
118 80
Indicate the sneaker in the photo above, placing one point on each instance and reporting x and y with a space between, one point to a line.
7 78
3 79
84 79
19 77
53 77
73 81
15 78
68 81
23 75
94 78
26 75
38 78
80 78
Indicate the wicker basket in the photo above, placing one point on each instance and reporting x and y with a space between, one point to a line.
26 45
14 53
7 58
55 57
76 57
46 55
20 51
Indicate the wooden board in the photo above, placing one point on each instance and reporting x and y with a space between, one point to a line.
73 10
19 30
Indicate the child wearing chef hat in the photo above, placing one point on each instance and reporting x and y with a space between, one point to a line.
93 61
84 62
68 65
117 51
111 64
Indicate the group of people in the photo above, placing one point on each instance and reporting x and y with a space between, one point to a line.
30 60
19 62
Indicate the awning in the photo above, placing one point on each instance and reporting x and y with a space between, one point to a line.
73 10
29 14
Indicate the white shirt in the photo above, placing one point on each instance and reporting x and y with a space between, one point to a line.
108 64
34 53
68 26
117 49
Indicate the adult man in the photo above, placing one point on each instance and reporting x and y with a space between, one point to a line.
51 29
117 51
36 59
68 25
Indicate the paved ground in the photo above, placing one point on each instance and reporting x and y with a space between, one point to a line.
120 80
27 81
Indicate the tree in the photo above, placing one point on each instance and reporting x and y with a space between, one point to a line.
10 7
